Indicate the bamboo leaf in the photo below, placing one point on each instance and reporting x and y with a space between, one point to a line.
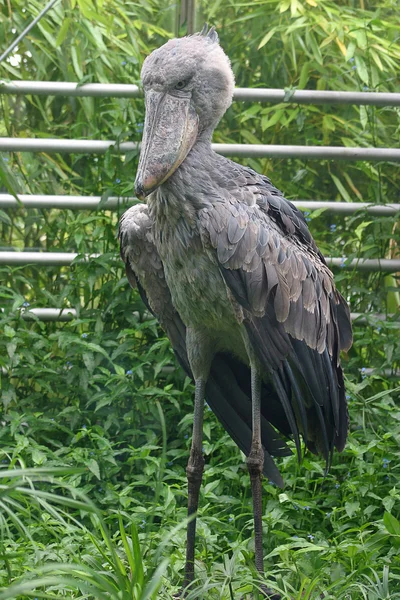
76 62
314 47
362 70
304 75
377 60
342 47
267 37
62 34
7 178
363 117
284 5
342 190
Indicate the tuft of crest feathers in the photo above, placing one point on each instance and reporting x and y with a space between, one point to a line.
210 34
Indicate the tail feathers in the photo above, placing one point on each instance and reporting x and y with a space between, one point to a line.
232 406
308 383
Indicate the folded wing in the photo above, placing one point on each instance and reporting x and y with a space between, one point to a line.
295 318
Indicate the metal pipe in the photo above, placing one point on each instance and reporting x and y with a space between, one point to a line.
386 265
48 314
115 90
387 373
92 202
373 318
308 152
345 208
27 29
60 145
67 314
316 97
63 88
242 150
47 259
60 202
366 372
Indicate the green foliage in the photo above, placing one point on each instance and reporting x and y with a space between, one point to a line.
96 412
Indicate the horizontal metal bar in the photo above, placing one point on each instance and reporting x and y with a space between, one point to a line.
62 88
48 259
67 314
389 373
386 265
373 318
48 314
60 202
60 145
240 150
167 369
92 202
316 97
65 258
308 152
346 208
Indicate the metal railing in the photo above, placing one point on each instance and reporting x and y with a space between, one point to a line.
47 314
92 203
68 314
51 145
239 150
63 259
117 90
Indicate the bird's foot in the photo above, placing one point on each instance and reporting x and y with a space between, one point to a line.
181 595
183 592
267 593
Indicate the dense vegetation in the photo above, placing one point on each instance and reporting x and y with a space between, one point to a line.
96 415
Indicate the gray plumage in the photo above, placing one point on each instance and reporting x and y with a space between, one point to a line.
219 248
229 266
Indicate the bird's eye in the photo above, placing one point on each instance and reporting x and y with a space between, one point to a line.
180 85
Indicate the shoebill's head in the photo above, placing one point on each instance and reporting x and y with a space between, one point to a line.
188 85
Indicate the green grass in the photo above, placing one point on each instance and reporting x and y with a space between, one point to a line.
336 534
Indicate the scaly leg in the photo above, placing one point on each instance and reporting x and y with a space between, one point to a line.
200 349
194 472
255 463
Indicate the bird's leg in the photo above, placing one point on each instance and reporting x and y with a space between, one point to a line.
255 464
194 472
200 349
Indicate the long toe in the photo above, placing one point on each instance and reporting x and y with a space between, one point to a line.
269 594
266 593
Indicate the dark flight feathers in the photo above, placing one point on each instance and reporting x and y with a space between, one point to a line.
295 318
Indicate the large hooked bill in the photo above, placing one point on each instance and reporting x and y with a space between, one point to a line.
170 131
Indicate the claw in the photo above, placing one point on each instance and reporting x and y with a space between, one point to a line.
266 593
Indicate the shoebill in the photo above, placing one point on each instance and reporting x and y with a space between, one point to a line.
231 271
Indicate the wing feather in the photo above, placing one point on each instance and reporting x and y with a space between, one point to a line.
295 318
